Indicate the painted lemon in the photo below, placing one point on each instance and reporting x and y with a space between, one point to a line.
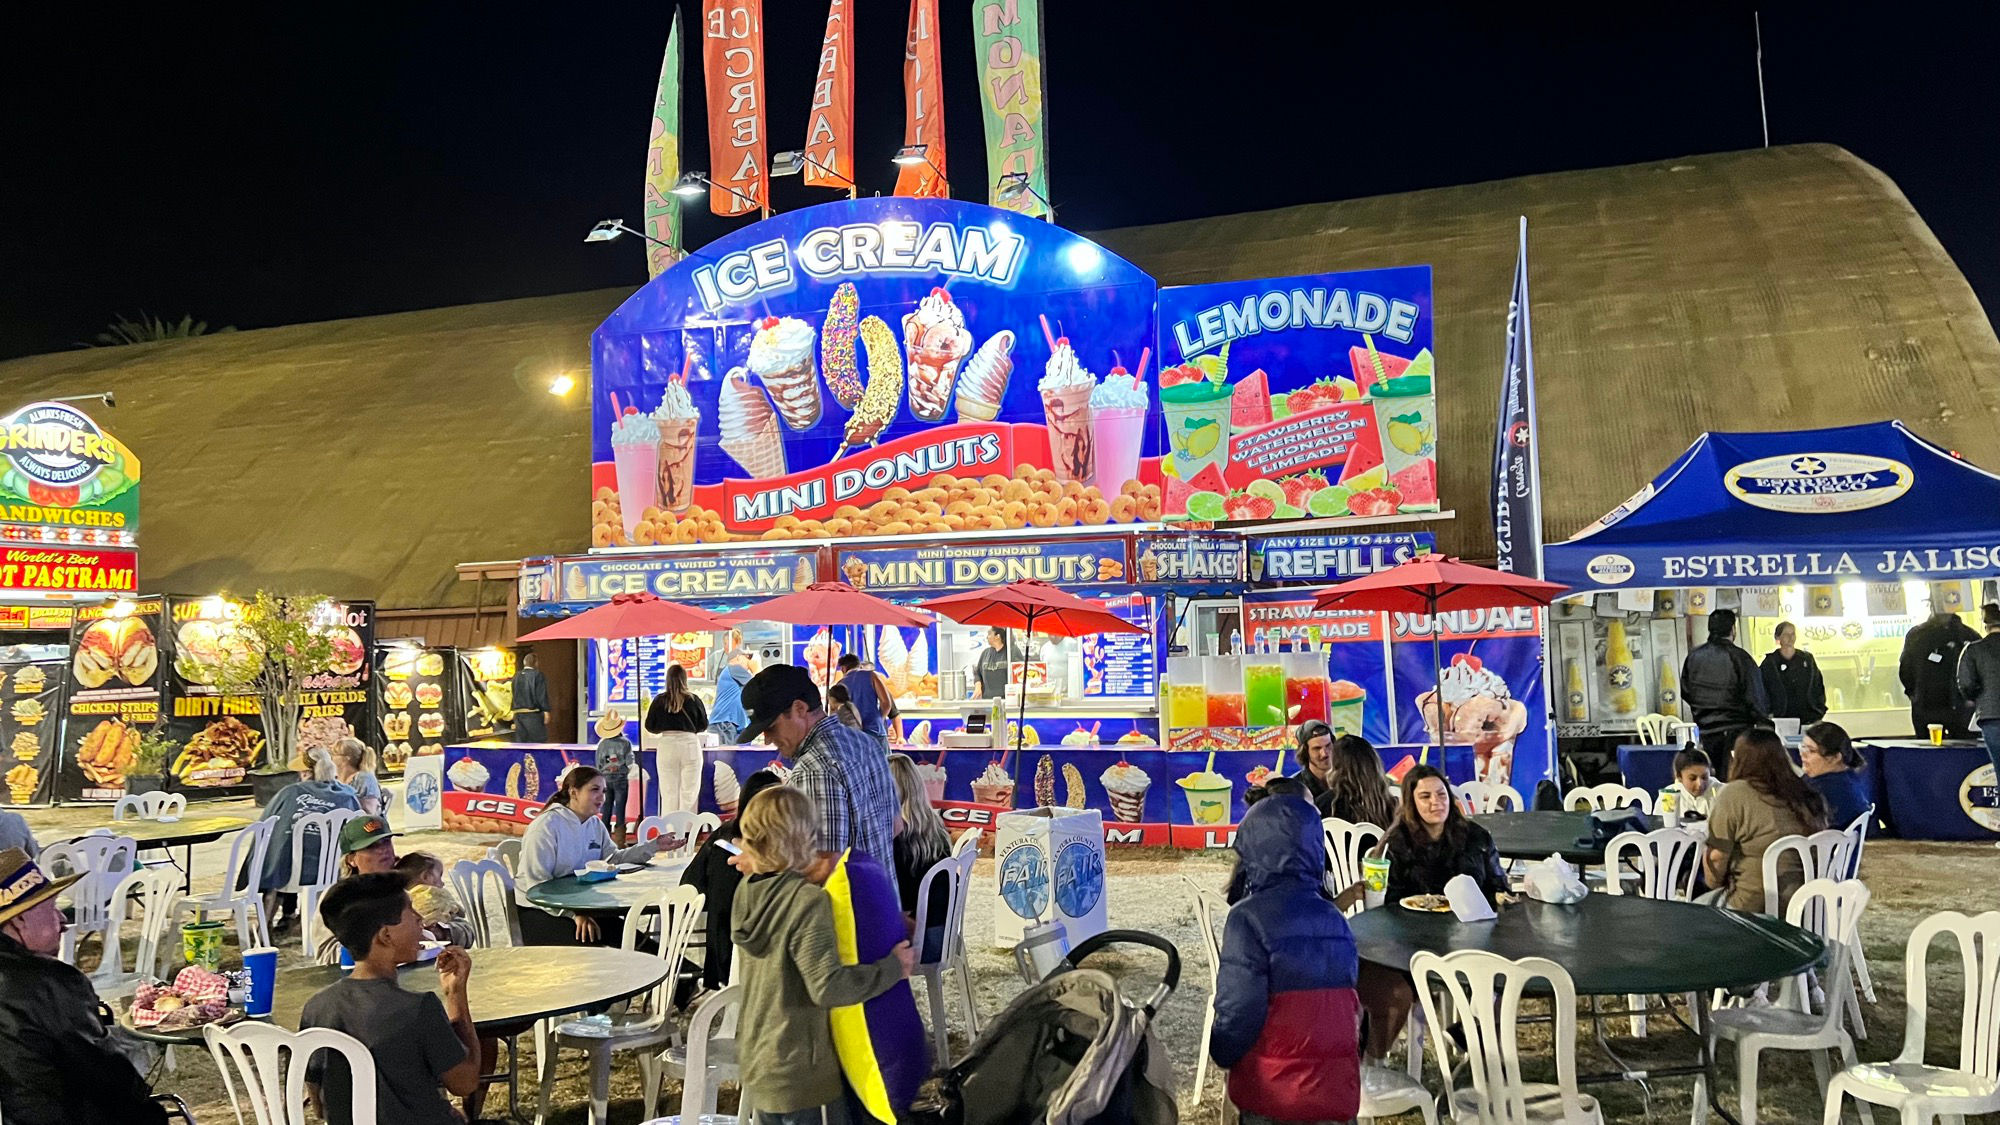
1205 506
1201 437
1268 488
1406 437
1349 389
1168 468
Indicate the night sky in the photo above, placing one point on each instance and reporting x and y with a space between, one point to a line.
308 162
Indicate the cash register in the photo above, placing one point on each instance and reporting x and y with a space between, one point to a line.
980 727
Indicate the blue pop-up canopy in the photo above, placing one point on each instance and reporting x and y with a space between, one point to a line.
1873 503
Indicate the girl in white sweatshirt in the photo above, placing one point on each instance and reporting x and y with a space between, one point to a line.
568 834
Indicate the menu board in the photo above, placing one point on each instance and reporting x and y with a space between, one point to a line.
220 733
625 671
486 684
30 716
419 689
115 688
1122 664
334 703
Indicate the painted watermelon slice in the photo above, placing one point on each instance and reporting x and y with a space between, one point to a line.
1178 492
1364 371
1250 401
1209 479
1364 455
1418 482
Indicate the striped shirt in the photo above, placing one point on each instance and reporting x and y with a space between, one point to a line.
846 774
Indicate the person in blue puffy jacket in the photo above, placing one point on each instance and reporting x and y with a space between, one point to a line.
1287 1017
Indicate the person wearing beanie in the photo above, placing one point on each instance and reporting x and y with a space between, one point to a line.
1723 689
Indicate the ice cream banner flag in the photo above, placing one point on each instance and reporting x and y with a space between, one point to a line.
877 366
732 55
1007 36
1295 397
663 161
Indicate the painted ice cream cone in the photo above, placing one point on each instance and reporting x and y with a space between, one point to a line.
994 786
781 354
1126 784
982 386
1066 388
749 427
680 428
936 340
727 789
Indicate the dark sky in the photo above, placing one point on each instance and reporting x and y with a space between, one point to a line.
305 162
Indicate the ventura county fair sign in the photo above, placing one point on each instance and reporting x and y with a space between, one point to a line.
69 506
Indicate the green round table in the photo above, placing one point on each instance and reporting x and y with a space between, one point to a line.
1612 945
1541 834
612 896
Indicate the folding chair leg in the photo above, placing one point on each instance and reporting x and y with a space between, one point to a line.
650 1070
1201 1060
971 1005
934 987
600 1085
1638 1005
545 1067
1746 1082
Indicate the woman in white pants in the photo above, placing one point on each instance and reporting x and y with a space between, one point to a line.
674 722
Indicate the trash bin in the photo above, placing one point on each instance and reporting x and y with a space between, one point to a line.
1050 867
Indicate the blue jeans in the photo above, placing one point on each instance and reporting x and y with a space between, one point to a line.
832 1113
727 732
1989 729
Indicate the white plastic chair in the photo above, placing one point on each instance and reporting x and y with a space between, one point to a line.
1822 855
1857 838
681 823
495 920
971 834
309 880
1209 911
1656 729
1386 1092
1663 865
150 806
1833 911
508 854
1610 795
706 1061
275 1086
1916 1089
157 894
1346 843
641 1024
954 872
1483 991
1489 797
245 868
104 861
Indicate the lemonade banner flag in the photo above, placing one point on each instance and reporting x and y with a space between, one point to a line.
830 126
923 105
1007 34
732 52
1517 473
662 213
1299 397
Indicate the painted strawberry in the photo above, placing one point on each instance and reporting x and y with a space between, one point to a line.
1375 502
1298 490
1316 396
1243 506
1185 373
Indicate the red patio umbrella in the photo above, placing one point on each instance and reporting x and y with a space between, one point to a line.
1434 584
1033 607
829 603
631 615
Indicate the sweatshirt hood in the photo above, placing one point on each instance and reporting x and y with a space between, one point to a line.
764 910
1280 840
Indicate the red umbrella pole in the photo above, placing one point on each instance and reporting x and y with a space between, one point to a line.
1437 686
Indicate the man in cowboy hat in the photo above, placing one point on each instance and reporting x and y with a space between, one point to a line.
58 1062
614 761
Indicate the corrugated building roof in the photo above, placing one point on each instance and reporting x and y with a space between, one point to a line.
1780 288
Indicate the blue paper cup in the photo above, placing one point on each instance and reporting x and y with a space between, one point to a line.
263 968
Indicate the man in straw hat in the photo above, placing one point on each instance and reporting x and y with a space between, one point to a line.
614 761
58 1062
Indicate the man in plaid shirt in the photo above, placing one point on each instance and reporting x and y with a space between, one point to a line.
843 770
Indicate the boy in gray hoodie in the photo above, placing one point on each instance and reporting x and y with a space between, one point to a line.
782 924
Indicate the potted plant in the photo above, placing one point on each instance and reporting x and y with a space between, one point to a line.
148 771
279 641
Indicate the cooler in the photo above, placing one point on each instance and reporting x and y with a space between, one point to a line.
1050 866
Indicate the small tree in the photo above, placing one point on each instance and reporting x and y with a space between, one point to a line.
286 638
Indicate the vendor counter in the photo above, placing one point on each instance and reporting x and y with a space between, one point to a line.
500 787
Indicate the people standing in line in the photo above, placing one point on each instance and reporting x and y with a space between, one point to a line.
1833 767
1764 800
710 873
868 691
614 761
1929 671
676 718
568 834
782 924
354 767
420 1041
63 1066
1286 1006
1723 690
726 719
1792 681
841 707
1979 680
316 791
992 668
531 702
844 771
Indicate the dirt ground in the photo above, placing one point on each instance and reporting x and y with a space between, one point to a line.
1909 880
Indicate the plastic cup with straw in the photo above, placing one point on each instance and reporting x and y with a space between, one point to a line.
1207 793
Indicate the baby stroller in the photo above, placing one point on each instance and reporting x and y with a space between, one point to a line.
1068 1051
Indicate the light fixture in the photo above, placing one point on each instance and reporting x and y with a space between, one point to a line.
105 397
562 384
1014 185
794 162
610 229
695 184
912 155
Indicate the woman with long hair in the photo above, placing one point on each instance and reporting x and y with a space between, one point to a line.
354 763
1431 842
1833 768
921 841
568 834
675 720
1357 789
1764 800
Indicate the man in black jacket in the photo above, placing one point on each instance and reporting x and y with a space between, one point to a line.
1792 682
58 1064
1723 690
1979 680
1929 671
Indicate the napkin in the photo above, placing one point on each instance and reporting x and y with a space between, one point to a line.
1552 880
1467 900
